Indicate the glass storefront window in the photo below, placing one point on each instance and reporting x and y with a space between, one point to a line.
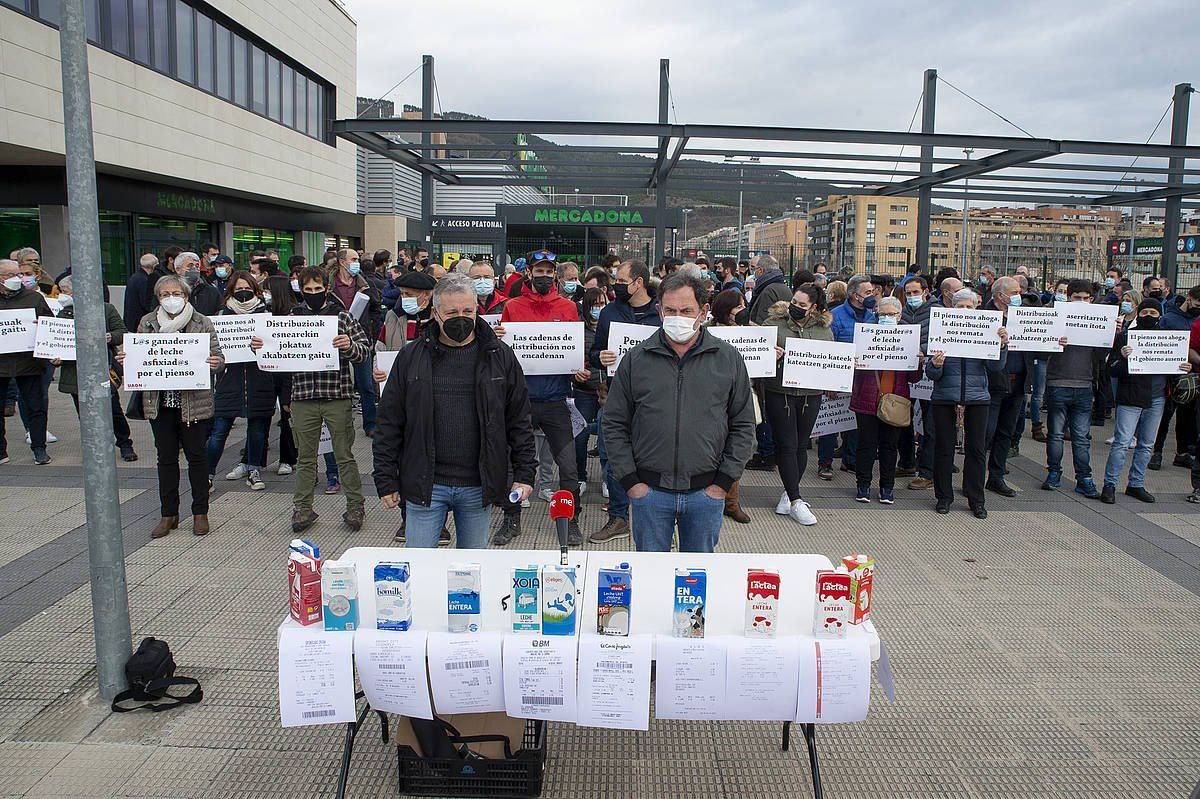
247 239
19 227
154 234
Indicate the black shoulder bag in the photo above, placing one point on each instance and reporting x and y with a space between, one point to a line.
150 672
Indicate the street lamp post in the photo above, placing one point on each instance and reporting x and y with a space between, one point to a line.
1133 227
966 191
741 177
685 212
1007 242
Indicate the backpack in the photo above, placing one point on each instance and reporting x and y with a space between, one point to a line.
150 673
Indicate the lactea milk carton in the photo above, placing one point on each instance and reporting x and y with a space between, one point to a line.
862 578
615 592
558 600
339 594
832 608
691 588
762 603
393 597
462 597
526 599
304 588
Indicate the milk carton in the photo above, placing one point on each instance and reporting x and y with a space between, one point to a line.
304 588
526 599
462 597
393 598
832 608
691 587
615 592
862 576
305 547
762 603
558 600
339 594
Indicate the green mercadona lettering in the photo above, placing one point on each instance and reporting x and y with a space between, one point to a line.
588 216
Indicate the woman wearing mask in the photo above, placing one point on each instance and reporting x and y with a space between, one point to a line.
589 393
962 381
1140 402
791 412
243 391
180 419
876 438
1128 313
728 307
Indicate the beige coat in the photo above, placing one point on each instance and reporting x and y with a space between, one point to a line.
195 406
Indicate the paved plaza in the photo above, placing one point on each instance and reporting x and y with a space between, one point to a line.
1052 650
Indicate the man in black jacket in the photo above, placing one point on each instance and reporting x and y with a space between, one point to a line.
138 291
1008 392
453 421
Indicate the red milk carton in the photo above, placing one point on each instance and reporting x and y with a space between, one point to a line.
833 604
862 574
304 586
762 603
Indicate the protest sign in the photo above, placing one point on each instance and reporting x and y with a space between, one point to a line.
384 361
622 337
965 333
325 442
546 348
18 330
1034 329
234 331
55 338
359 304
834 416
824 365
756 344
887 347
55 304
1157 352
922 389
1087 324
167 361
297 343
493 319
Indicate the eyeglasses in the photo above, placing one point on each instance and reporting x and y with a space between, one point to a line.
543 255
173 294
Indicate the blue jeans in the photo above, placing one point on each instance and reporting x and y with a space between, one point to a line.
256 438
1071 406
1131 422
13 396
766 440
588 406
827 444
331 469
424 522
618 500
364 379
656 514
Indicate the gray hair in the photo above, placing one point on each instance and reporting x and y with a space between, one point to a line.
463 266
148 261
172 280
453 283
25 252
685 279
890 302
185 256
767 262
344 254
854 283
64 282
966 294
9 262
561 268
1006 284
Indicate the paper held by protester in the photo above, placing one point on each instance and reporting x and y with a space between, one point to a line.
298 343
756 345
887 347
622 337
546 348
1157 352
820 365
1034 329
965 333
167 361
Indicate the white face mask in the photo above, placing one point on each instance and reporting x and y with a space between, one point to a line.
173 305
679 329
266 296
66 300
13 284
296 286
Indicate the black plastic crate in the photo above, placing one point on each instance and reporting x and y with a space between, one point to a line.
451 776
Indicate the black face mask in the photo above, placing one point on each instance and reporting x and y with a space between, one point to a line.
424 262
1148 321
1156 293
542 284
621 292
457 328
315 301
243 295
797 314
742 317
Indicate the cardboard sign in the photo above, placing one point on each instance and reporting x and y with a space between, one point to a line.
1087 324
887 347
1034 329
823 365
297 343
55 338
234 331
756 344
546 348
834 416
384 361
167 361
1157 352
622 337
921 390
965 333
18 330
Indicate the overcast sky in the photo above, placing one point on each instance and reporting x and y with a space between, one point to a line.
1102 69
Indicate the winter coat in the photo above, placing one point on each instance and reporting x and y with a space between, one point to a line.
619 312
813 326
679 425
371 317
22 364
963 381
137 297
919 316
205 299
768 290
1175 318
404 436
1017 375
845 316
243 390
595 379
68 373
197 405
1138 391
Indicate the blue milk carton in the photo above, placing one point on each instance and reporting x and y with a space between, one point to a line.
393 598
691 586
526 598
339 595
558 600
615 593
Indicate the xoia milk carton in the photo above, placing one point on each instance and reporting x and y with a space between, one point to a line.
526 599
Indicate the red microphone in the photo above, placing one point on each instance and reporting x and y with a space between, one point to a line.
562 509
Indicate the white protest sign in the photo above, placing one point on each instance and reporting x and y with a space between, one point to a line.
297 343
55 338
325 443
358 304
1157 352
384 361
55 304
18 330
622 337
234 331
922 389
1034 329
756 344
166 361
546 348
1087 324
823 365
965 333
834 416
887 347
493 319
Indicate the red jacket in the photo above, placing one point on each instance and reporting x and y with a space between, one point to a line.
865 396
533 307
496 304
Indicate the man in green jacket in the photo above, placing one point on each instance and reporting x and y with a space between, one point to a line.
679 424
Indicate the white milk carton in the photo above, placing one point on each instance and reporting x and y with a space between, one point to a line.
339 594
393 597
462 598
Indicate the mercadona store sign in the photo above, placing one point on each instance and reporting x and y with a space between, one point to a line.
588 216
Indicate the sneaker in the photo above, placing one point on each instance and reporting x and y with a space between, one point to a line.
50 438
801 514
863 495
4 458
444 539
1194 497
1182 460
613 529
582 487
525 502
1155 462
1053 480
761 464
332 487
284 469
510 528
302 519
254 480
400 537
1109 440
40 457
1108 495
128 455
1139 493
905 471
920 484
594 452
885 497
237 472
574 534
546 494
825 472
604 489
353 518
784 505
1088 488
